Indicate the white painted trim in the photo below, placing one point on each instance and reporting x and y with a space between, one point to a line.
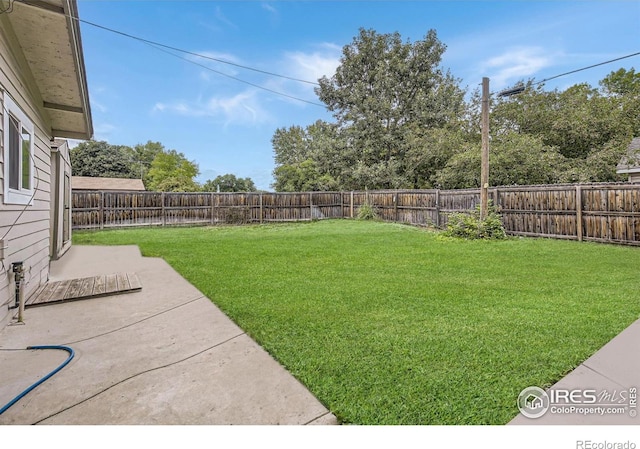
20 196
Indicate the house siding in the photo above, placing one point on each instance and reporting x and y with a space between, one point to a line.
25 229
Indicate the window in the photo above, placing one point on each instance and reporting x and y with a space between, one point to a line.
18 150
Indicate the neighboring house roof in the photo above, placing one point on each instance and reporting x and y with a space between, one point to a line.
90 183
630 162
49 36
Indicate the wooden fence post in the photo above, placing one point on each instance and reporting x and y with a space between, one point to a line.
438 208
101 210
351 204
261 216
164 215
579 230
213 208
395 206
310 205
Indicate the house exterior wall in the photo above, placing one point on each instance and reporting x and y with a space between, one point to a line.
25 230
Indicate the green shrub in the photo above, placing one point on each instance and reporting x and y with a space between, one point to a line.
470 226
237 215
367 212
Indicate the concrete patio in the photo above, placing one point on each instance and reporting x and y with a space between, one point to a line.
163 355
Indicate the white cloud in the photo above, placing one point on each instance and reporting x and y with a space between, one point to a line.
222 18
515 64
270 8
96 106
102 131
252 105
309 66
314 65
241 109
220 62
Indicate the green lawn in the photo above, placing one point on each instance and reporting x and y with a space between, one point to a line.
388 324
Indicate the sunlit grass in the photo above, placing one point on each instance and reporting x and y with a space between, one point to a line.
388 324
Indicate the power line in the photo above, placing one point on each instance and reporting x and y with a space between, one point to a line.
586 68
520 87
199 55
234 78
166 48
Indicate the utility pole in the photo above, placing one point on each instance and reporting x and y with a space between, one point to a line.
484 169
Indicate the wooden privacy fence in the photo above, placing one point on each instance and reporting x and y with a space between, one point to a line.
596 212
108 209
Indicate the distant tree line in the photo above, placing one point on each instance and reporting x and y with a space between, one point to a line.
160 169
402 121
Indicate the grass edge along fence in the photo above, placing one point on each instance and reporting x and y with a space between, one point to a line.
602 212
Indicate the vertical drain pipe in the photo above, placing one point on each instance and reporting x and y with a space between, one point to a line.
18 272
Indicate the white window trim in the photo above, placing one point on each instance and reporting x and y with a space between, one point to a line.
20 196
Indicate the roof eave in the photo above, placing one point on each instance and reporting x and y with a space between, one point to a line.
68 119
73 24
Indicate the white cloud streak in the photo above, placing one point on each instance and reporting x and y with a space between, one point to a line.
516 64
270 8
314 65
241 109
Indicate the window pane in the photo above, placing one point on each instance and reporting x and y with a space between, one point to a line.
14 154
26 160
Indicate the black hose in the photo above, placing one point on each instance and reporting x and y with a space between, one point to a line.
45 378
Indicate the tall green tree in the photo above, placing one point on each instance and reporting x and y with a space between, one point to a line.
514 159
305 158
622 87
589 128
622 82
101 159
384 90
229 183
382 86
171 171
143 156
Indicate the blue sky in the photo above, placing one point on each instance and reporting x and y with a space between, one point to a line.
141 93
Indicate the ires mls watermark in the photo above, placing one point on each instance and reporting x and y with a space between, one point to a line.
535 402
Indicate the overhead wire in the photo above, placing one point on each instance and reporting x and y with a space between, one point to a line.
235 78
582 69
199 55
586 68
170 49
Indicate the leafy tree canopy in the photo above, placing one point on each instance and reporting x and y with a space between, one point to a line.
171 171
229 183
143 156
100 159
383 89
